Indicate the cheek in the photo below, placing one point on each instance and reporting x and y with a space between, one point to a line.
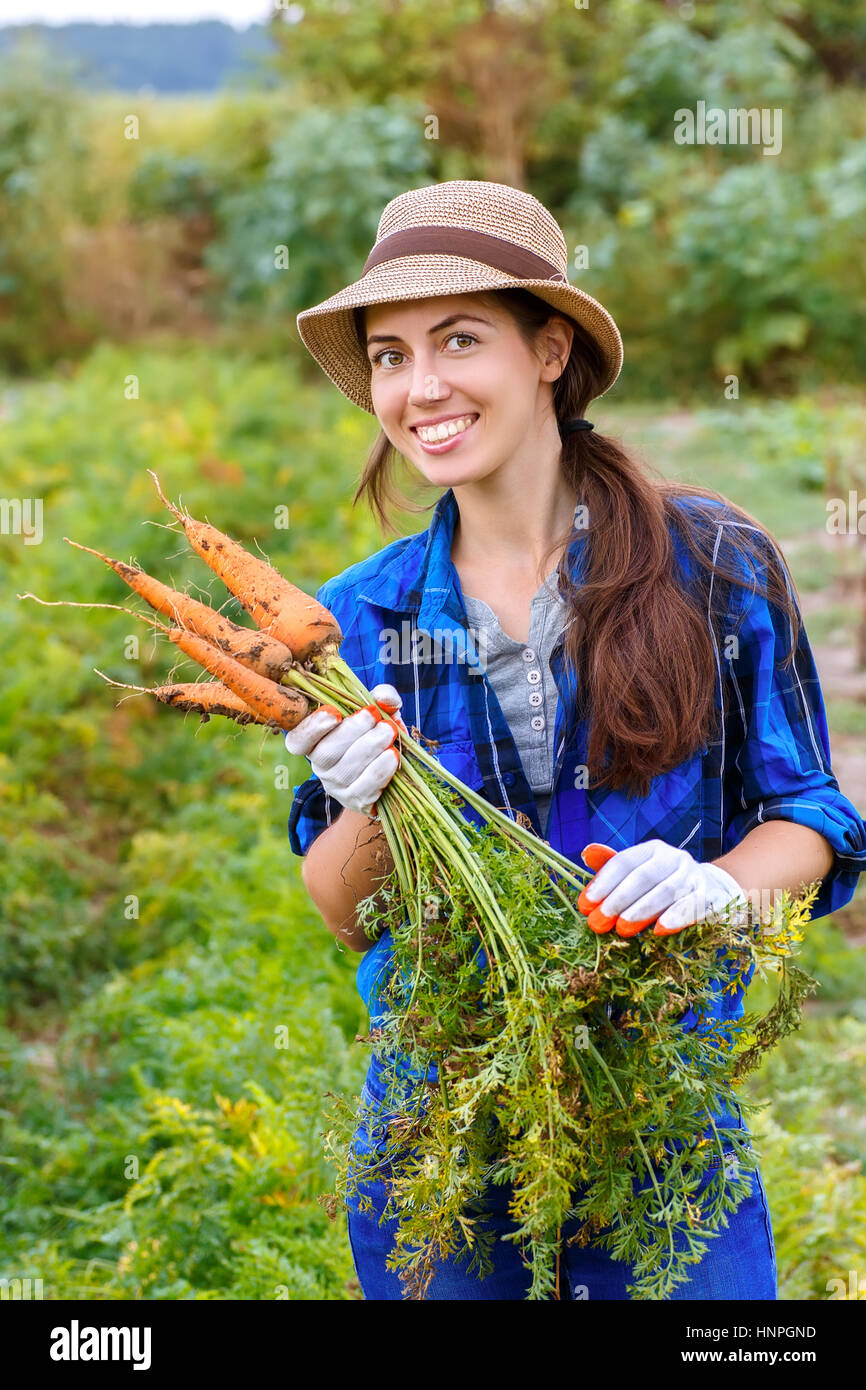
389 403
498 385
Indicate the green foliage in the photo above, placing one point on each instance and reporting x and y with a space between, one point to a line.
618 162
713 259
665 68
816 1200
835 33
80 764
776 456
738 268
123 1030
198 1173
168 183
733 273
550 1059
329 174
674 64
42 153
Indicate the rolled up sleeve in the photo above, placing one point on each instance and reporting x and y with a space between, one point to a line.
777 758
311 813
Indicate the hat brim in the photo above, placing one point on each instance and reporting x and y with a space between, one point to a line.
328 329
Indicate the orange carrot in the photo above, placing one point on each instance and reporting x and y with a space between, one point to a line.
255 649
278 704
200 697
279 608
207 698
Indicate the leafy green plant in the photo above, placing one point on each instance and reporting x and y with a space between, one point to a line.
168 183
329 174
500 1002
42 162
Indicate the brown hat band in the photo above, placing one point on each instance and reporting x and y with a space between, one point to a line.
463 241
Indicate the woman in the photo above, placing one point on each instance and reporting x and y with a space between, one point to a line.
646 681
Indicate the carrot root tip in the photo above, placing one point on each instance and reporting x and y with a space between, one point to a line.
163 498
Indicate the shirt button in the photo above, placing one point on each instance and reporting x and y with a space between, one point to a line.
535 697
537 721
528 654
508 779
533 677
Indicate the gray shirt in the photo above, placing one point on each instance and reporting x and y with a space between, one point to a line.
521 677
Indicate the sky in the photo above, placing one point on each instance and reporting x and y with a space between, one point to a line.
239 13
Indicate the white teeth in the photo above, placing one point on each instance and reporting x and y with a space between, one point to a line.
432 434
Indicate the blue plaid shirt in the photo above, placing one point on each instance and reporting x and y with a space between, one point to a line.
403 621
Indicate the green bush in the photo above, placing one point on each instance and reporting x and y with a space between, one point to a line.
202 1076
42 162
168 183
329 174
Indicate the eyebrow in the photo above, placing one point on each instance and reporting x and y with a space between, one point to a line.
446 323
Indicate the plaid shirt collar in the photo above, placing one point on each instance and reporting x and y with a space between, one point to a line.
421 581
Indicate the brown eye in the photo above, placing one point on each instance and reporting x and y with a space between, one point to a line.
470 336
385 353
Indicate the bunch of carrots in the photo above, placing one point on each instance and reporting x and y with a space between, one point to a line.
501 998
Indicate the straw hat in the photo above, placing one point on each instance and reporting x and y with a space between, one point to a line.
457 237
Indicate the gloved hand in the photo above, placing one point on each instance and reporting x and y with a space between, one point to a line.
352 756
653 881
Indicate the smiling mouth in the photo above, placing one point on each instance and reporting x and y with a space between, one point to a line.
448 429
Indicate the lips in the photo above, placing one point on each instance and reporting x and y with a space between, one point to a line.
452 441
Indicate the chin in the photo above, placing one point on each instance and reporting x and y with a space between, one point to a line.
449 475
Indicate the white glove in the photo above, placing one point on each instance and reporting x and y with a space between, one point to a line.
641 882
352 756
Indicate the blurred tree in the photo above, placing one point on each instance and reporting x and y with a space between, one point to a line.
835 32
167 183
488 72
369 97
321 194
42 163
519 84
743 252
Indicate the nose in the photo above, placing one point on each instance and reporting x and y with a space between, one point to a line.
425 385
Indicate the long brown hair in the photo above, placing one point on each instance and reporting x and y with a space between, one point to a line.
646 675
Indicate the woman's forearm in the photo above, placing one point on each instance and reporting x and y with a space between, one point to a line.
344 865
776 855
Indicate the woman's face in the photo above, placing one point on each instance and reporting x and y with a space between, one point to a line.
454 359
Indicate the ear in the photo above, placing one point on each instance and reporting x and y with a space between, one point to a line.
556 340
